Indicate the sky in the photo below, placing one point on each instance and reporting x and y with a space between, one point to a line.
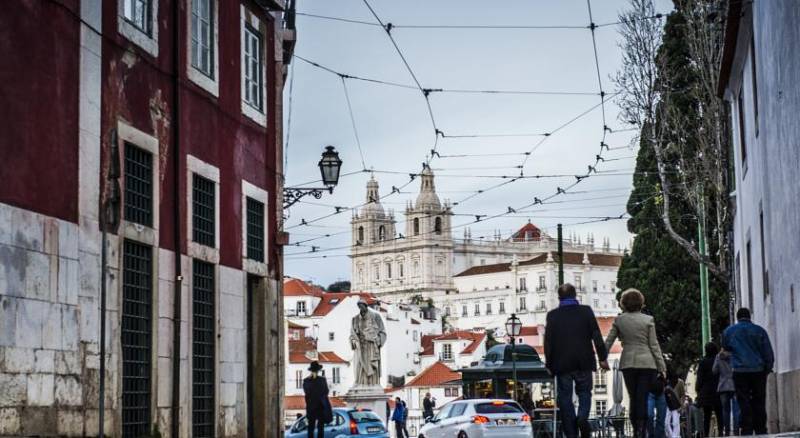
391 132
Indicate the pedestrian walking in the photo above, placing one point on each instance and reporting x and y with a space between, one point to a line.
428 404
405 420
569 334
672 420
752 360
642 363
397 416
725 391
656 415
318 407
706 384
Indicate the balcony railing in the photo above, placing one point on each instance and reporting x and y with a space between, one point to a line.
541 289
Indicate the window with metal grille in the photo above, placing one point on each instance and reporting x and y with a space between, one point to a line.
255 230
138 185
251 66
202 37
136 333
203 347
203 210
138 13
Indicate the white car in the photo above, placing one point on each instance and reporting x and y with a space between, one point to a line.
479 418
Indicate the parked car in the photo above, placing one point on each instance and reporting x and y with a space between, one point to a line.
479 418
346 422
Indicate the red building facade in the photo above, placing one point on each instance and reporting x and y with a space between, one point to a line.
160 121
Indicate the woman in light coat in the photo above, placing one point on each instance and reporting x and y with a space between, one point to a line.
641 362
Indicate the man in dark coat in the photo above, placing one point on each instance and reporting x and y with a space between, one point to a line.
569 334
427 406
318 407
706 385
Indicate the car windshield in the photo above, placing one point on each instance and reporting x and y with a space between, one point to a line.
365 417
498 407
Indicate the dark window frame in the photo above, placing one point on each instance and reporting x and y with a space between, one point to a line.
204 346
204 196
138 199
256 230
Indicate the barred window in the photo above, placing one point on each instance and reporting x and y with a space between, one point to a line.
255 230
203 210
202 37
138 13
203 347
136 338
138 185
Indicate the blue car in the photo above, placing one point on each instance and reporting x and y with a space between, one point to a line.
362 423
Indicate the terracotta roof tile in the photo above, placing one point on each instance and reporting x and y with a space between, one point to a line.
298 402
529 330
294 325
435 375
528 231
475 338
427 345
330 300
323 357
294 287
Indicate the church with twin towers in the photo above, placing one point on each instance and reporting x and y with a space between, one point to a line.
419 256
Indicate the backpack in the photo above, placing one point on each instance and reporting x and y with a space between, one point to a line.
673 403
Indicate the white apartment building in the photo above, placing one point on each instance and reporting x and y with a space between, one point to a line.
759 77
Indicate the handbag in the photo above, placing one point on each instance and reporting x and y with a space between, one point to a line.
657 386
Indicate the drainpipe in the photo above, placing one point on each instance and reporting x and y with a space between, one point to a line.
176 211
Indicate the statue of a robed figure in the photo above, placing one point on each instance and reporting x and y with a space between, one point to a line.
367 336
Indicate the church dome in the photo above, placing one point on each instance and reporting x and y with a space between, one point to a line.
427 198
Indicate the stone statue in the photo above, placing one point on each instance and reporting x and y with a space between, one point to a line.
367 336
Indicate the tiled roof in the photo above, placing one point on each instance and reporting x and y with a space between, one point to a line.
294 287
435 375
302 345
294 325
298 402
323 357
570 258
528 231
330 300
529 330
475 338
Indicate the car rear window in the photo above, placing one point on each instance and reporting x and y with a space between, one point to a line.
498 407
365 417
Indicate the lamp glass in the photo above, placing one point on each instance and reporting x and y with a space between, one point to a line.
329 166
513 326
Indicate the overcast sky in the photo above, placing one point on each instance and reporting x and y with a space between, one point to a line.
396 133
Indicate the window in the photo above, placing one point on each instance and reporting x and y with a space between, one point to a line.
488 308
331 336
360 234
502 309
136 337
742 132
301 307
522 304
255 230
203 349
437 225
763 244
416 334
203 211
600 381
138 185
298 379
400 269
388 270
791 297
377 270
542 305
542 284
252 67
138 13
594 285
477 309
483 262
416 226
600 407
337 375
202 42
749 262
381 233
464 310
613 286
578 282
523 285
416 267
596 303
447 352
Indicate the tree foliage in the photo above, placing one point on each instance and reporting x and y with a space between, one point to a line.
339 286
663 210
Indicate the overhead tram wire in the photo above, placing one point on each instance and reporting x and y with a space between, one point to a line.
353 122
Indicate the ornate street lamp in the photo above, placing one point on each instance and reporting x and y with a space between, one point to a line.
513 329
329 166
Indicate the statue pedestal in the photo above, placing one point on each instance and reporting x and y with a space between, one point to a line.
368 397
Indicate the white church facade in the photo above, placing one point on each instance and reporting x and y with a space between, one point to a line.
476 283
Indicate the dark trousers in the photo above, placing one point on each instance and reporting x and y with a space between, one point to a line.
716 409
582 383
638 382
318 424
751 393
399 429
